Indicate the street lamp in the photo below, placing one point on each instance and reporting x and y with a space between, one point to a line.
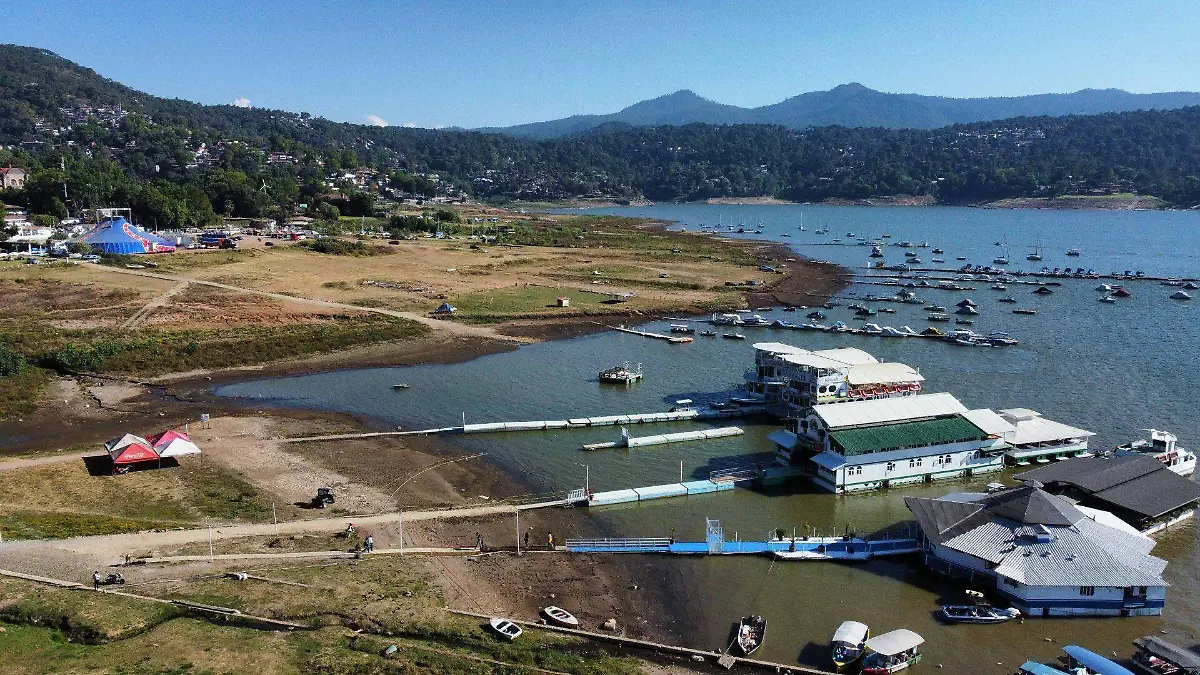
587 488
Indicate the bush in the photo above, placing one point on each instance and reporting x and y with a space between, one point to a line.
342 247
11 362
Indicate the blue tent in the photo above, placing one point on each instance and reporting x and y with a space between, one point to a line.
118 235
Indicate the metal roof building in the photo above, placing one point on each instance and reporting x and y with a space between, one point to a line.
1140 489
888 410
1043 554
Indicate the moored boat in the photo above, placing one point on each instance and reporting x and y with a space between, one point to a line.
1027 312
505 628
708 333
1108 299
1008 299
560 617
682 328
733 336
1092 663
978 611
1181 295
621 374
1163 446
1156 656
1074 252
892 652
848 643
751 632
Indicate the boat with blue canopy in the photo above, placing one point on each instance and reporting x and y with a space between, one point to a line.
1093 662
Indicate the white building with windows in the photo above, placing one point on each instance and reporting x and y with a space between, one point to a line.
876 444
1041 553
799 378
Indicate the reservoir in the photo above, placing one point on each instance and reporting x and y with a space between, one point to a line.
1114 369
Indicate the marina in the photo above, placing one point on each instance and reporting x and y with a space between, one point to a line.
1042 373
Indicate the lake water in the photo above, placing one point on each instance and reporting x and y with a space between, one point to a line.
1114 369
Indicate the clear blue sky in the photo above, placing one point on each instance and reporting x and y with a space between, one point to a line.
499 63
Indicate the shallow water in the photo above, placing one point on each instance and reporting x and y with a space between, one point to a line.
1114 369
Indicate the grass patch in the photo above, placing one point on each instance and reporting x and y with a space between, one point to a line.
155 351
223 495
342 247
89 618
20 392
52 525
525 299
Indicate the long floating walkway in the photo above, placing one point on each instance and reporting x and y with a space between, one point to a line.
806 548
675 340
628 441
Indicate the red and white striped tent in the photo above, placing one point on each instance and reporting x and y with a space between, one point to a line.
130 449
173 443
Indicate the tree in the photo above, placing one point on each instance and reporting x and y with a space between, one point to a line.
328 212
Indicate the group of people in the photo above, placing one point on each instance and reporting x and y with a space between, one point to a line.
368 544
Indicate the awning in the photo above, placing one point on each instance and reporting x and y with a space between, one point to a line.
783 438
851 632
895 642
1094 662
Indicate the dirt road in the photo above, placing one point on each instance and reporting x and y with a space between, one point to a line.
447 326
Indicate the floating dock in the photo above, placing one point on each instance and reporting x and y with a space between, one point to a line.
628 441
695 487
796 548
675 340
610 420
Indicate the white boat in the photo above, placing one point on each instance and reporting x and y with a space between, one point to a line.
756 321
876 252
621 374
1180 295
1163 446
888 331
505 628
751 632
908 330
1108 299
682 328
726 320
999 287
1104 288
872 328
560 617
848 643
977 614
892 652
1074 252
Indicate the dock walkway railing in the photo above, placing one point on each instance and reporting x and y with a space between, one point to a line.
633 545
734 474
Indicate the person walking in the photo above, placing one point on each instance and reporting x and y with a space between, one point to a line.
479 541
527 539
550 540
370 543
96 579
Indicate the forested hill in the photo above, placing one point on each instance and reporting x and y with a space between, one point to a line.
116 141
853 105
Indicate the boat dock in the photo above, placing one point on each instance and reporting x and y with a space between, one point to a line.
630 495
673 339
628 441
611 420
845 547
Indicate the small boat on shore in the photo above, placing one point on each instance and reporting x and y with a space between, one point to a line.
505 628
892 652
1156 656
848 643
560 617
751 632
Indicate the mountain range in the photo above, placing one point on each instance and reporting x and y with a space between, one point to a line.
853 105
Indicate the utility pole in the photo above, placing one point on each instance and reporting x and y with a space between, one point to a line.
517 514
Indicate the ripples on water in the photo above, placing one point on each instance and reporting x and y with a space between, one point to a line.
1114 369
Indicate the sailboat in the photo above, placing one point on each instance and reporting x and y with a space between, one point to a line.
1036 253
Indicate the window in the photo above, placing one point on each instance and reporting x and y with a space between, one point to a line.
912 463
891 466
857 470
919 461
1087 590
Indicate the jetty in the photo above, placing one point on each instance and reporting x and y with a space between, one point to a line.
628 441
673 339
796 548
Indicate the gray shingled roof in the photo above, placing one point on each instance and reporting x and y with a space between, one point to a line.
1079 552
1136 483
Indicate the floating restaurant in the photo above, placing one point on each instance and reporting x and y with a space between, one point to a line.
1044 555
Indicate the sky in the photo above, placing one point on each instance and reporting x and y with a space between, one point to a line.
474 64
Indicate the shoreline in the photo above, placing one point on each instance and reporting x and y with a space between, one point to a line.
1063 203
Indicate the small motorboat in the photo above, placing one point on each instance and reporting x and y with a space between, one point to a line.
999 287
1042 290
708 333
1008 299
938 251
939 317
887 310
1181 295
961 257
964 322
1027 312
892 652
621 374
815 315
1120 292
1074 252
935 308
888 331
848 643
401 386
505 628
1108 299
682 328
967 310
1156 655
978 612
733 336
560 617
751 632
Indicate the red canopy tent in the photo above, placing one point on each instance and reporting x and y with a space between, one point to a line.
173 443
130 449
